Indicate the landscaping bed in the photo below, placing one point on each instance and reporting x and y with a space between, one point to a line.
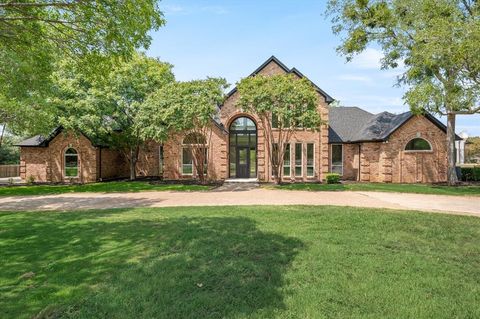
465 189
102 187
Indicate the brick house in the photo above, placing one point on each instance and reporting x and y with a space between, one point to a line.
358 145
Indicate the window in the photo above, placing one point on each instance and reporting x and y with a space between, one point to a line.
337 159
71 163
298 160
418 144
187 161
286 161
160 160
243 148
191 143
310 160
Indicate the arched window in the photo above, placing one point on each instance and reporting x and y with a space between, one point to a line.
194 144
243 148
71 163
418 144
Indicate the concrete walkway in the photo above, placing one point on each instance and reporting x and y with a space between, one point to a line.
244 196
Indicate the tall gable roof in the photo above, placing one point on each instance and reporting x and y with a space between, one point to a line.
273 59
352 124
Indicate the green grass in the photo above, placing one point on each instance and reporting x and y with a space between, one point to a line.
382 187
105 187
239 262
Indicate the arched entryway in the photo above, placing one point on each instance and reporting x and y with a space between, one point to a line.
243 148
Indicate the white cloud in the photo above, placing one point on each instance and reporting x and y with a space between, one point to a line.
176 10
215 10
374 103
356 78
173 9
368 59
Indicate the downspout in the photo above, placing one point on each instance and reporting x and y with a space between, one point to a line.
359 162
100 164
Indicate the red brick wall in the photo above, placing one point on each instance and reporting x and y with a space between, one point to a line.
47 164
217 158
229 112
390 163
114 164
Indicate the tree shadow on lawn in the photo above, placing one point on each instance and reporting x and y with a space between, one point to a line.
100 265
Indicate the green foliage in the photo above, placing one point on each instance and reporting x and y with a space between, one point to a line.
436 41
36 34
30 179
239 262
292 102
9 154
182 107
472 149
110 110
332 178
185 108
470 174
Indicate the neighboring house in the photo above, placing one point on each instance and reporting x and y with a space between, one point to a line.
355 143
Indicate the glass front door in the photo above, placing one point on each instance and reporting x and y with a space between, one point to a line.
243 162
243 148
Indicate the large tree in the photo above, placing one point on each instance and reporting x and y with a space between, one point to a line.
187 109
436 41
283 104
111 110
36 34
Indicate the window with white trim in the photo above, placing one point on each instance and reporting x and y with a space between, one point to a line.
337 159
418 144
286 161
298 160
310 160
191 143
71 163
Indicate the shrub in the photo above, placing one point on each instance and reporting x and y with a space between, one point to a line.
30 180
470 173
332 178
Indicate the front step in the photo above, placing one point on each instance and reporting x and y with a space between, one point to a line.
242 180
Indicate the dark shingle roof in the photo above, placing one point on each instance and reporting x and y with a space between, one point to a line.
37 140
40 140
352 124
43 141
345 123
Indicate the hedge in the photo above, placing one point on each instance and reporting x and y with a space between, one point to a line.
470 174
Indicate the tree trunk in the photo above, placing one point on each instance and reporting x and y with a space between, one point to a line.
452 177
133 164
1 136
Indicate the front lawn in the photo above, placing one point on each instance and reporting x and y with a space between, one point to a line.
105 187
382 187
239 262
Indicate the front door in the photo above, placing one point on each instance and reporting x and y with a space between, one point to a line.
243 162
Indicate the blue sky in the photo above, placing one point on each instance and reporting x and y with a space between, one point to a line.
230 39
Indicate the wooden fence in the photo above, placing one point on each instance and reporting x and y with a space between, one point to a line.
9 170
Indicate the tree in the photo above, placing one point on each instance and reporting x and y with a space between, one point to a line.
111 110
472 149
35 35
283 104
187 108
437 41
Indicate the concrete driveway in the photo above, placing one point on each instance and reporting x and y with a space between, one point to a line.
255 196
